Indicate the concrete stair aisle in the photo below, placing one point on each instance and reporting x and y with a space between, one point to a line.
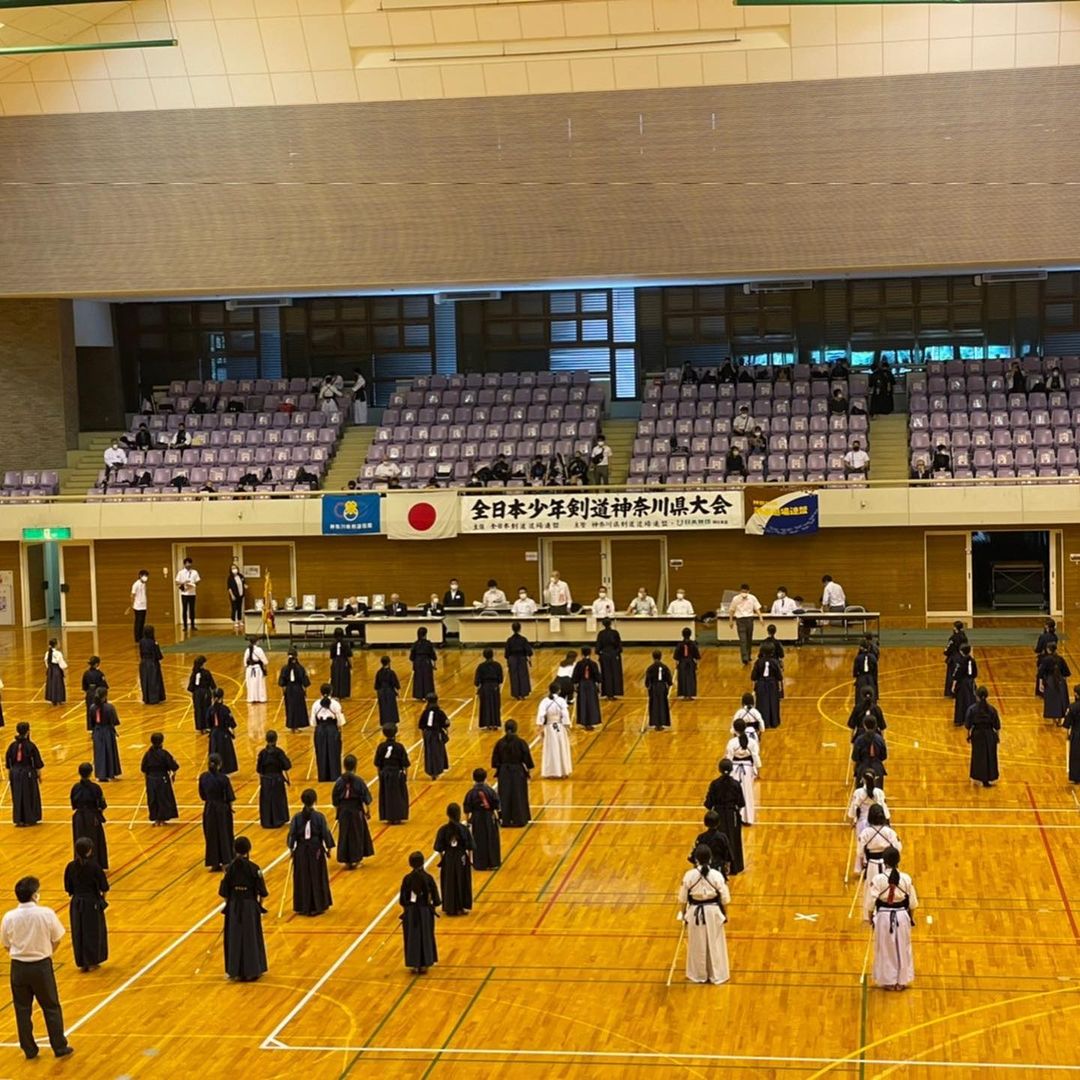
620 437
84 464
889 447
350 457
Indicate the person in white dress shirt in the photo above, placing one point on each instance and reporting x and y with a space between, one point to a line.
680 605
856 460
783 604
742 611
557 595
115 458
524 605
642 604
603 607
832 595
138 602
493 596
187 580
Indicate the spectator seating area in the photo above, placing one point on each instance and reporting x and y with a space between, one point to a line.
30 484
991 431
281 430
443 428
804 442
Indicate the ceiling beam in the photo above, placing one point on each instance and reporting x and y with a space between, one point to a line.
88 46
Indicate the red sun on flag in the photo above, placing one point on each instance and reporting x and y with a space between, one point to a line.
422 516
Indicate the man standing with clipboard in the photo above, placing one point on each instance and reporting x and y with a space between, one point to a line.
187 580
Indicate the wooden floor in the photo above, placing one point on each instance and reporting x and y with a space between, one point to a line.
561 969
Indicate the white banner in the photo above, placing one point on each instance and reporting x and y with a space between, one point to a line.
524 511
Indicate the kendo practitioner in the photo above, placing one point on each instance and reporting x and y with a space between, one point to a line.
103 736
609 650
704 898
488 682
216 792
873 842
201 687
243 889
767 676
658 686
272 766
419 898
511 761
310 842
1072 725
687 656
55 680
352 799
434 727
586 680
864 707
255 672
87 814
715 839
387 688
341 665
564 676
150 679
890 901
983 724
85 882
328 720
957 638
93 678
1046 638
965 672
293 681
518 655
392 764
868 752
771 639
1053 684
725 796
422 656
864 672
481 805
221 725
454 843
160 769
24 765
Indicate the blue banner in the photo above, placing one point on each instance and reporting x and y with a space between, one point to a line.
359 513
789 515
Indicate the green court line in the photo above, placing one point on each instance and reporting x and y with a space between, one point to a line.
378 1027
487 881
460 1021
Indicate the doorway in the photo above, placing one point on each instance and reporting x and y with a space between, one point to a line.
621 563
78 584
947 574
1011 571
212 560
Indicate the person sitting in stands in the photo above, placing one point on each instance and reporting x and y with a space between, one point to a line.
577 470
198 407
500 470
181 438
839 370
921 471
388 472
676 449
481 477
1017 379
708 377
305 477
734 462
688 375
537 472
838 403
727 373
757 444
743 424
942 462
856 460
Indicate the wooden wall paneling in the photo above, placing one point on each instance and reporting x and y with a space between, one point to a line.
278 559
9 560
212 561
580 563
35 581
635 561
946 572
76 575
117 564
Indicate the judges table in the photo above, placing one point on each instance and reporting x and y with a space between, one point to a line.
787 629
572 629
376 629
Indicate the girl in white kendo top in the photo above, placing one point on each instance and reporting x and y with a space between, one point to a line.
745 757
749 715
890 901
255 673
553 719
873 842
704 897
862 798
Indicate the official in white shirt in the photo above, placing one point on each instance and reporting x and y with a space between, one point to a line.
642 604
783 604
603 607
187 581
557 595
138 602
680 605
856 460
493 596
524 605
115 458
30 933
742 611
832 595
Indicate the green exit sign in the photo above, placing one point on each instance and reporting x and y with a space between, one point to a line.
53 532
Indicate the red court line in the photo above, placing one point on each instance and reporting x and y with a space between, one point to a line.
172 833
1053 865
577 858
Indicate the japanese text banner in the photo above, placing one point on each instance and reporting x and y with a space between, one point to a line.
524 511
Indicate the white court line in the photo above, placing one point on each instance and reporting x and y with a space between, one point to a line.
829 807
787 824
656 1055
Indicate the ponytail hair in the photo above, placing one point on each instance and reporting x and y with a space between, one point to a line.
744 742
703 857
868 779
307 797
891 859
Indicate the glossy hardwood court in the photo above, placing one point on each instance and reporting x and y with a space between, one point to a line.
561 969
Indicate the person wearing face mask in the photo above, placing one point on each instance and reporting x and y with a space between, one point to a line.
138 602
603 607
237 588
453 597
680 605
783 604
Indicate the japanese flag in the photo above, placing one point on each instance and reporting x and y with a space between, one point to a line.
429 515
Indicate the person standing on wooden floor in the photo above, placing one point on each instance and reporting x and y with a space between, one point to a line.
587 687
868 752
864 672
151 682
243 889
221 725
93 678
201 687
890 901
310 842
768 678
609 650
105 721
30 932
862 799
327 720
481 804
294 680
1072 725
392 764
341 652
658 687
872 843
255 672
865 707
687 656
1054 676
454 843
435 731
746 767
957 638
160 769
704 897
272 766
88 817
419 899
511 761
387 687
423 659
984 726
138 603
85 882
351 799
751 718
965 672
488 681
553 719
55 666
216 792
24 765
518 655
725 796
716 841
1047 638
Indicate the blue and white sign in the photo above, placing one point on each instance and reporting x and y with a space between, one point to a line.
351 514
793 514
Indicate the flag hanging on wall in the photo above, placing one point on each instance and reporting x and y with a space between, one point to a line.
793 514
428 515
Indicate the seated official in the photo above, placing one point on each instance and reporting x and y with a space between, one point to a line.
453 597
493 596
394 606
434 607
680 605
524 605
642 604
